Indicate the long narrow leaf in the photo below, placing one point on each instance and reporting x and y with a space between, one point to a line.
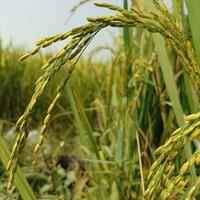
172 91
86 125
193 7
19 180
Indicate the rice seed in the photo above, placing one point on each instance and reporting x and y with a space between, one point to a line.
45 66
61 53
35 50
40 41
24 57
46 43
184 168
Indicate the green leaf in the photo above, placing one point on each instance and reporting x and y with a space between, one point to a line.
168 76
193 7
19 179
82 121
172 91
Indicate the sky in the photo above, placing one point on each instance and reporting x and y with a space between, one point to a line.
25 21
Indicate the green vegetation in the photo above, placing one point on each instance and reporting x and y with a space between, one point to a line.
124 128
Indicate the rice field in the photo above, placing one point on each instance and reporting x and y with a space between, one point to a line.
78 128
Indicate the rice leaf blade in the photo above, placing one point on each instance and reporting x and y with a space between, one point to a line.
19 179
193 8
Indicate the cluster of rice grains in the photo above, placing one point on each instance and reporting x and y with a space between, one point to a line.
161 184
80 39
164 179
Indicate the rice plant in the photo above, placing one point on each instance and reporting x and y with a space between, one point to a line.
149 101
